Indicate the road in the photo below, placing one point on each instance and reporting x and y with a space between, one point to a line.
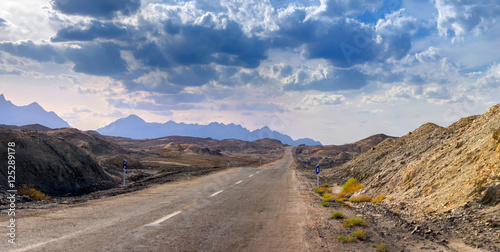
240 209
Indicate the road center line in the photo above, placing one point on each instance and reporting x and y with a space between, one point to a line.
251 175
235 183
156 223
213 194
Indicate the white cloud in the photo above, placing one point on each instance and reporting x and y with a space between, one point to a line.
323 99
456 18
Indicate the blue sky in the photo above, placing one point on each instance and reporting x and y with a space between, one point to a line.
333 70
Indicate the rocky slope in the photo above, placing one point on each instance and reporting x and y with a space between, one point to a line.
53 165
92 144
433 169
328 156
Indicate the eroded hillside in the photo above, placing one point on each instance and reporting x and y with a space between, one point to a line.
434 169
54 165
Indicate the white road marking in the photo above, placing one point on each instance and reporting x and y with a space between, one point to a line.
257 171
156 223
238 182
216 193
250 176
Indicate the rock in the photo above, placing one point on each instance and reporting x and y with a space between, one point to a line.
491 195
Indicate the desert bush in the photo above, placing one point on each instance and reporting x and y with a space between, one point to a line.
392 198
327 199
353 221
362 198
381 247
357 221
359 234
337 215
378 199
351 186
325 204
322 190
32 192
345 238
326 185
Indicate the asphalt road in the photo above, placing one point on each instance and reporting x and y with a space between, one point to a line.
241 209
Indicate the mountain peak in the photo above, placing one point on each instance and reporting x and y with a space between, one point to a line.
33 113
134 127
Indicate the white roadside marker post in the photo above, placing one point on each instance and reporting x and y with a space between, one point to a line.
124 171
317 176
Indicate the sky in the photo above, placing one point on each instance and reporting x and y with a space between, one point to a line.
336 71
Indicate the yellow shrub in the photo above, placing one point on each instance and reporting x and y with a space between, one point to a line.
32 192
378 199
362 198
351 186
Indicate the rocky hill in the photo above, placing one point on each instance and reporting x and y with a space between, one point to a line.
334 155
224 146
93 144
435 169
53 165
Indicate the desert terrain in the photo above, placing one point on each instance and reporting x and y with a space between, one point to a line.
437 189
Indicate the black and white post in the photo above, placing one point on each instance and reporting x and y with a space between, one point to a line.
124 171
317 175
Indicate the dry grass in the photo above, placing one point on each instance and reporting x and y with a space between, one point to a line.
359 234
381 247
351 186
353 221
32 192
362 198
322 190
378 199
345 238
337 215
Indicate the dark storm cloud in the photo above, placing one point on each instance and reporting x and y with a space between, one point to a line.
194 45
97 8
344 43
28 49
97 59
95 29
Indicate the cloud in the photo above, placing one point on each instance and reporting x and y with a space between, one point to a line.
327 80
345 42
97 8
261 106
323 99
91 31
39 52
3 22
102 59
456 18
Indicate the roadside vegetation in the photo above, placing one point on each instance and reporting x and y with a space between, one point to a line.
32 192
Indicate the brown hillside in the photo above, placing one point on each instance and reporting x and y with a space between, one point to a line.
435 169
92 144
334 155
51 164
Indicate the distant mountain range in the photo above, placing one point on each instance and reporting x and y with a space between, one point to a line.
136 128
11 114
